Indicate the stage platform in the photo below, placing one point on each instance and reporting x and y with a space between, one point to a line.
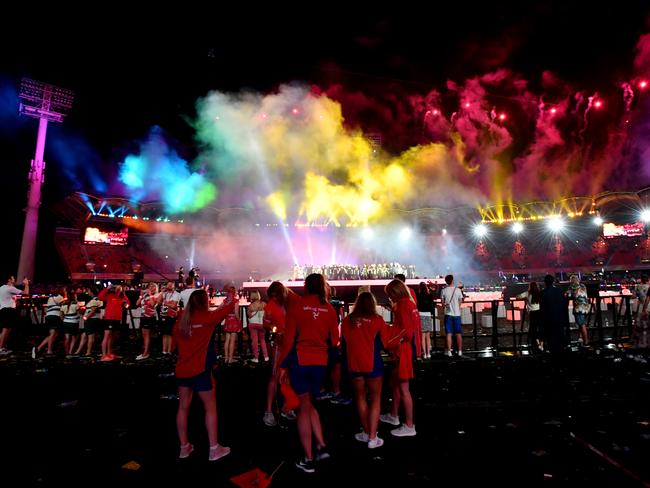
345 289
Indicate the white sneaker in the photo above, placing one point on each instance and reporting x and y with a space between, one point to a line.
5 352
404 431
255 360
361 436
290 415
269 419
266 359
142 357
460 353
34 352
389 419
217 452
375 443
449 353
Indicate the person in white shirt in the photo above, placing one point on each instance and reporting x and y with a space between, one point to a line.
190 287
149 318
53 321
535 332
452 297
641 293
8 315
168 300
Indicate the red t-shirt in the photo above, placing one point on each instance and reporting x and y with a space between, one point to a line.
406 325
193 348
114 304
310 324
360 335
274 317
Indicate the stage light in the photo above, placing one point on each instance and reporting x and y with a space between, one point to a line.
517 227
435 112
467 104
367 233
295 111
502 116
645 215
480 230
598 104
553 110
444 232
643 84
405 233
598 221
556 225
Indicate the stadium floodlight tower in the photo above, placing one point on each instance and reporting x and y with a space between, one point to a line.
43 102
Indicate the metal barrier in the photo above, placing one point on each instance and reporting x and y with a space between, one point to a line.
500 325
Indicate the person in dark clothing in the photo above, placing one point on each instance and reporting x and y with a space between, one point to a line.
554 308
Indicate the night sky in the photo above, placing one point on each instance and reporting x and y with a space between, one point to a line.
129 75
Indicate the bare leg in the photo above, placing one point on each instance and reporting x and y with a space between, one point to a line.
272 388
407 402
459 342
226 348
359 386
316 426
397 397
184 402
209 400
4 338
305 424
146 337
167 343
91 343
82 343
374 390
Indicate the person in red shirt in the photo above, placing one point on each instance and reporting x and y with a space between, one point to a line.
406 322
232 327
312 325
115 300
274 321
193 334
414 296
363 332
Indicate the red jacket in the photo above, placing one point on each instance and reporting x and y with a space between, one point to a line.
193 348
418 337
405 329
274 317
310 324
360 338
114 304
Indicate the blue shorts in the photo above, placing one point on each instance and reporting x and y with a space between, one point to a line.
200 382
453 325
333 355
581 318
307 379
373 374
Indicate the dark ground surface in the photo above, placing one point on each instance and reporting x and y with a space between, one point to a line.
506 420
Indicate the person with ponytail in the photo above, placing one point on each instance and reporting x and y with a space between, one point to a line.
193 334
403 333
311 326
363 333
